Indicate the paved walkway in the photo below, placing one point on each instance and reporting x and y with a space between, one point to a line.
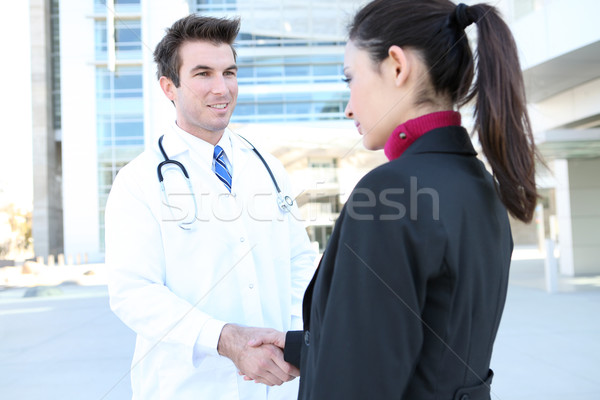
548 345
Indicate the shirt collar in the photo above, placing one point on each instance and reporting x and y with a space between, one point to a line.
405 135
201 148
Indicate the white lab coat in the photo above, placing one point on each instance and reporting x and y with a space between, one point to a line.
244 261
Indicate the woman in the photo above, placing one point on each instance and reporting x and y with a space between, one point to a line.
408 297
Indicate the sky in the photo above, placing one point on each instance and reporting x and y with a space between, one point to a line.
16 176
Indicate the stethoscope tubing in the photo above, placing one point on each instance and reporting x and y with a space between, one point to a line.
265 164
284 202
166 161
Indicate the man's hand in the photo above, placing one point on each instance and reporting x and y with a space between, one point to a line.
273 337
263 364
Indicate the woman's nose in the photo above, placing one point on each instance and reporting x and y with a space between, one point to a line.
348 111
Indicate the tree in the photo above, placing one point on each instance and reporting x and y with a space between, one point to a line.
20 238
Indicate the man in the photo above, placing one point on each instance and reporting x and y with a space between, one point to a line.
192 267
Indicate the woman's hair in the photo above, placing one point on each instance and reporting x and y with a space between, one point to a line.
192 28
435 29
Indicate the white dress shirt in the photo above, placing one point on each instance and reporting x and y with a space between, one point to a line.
242 260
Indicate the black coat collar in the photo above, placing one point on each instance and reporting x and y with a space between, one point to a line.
450 139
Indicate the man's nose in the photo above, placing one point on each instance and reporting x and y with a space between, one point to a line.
218 85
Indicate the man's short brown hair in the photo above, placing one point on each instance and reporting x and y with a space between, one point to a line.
192 28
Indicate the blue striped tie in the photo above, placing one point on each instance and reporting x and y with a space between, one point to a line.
221 169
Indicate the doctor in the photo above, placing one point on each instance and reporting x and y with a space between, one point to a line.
194 263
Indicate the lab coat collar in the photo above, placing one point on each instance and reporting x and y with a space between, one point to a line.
180 141
201 150
173 142
177 141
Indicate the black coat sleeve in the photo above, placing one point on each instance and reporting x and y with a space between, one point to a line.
293 347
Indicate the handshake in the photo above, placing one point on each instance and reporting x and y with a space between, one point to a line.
257 353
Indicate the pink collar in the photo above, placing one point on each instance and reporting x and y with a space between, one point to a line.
404 135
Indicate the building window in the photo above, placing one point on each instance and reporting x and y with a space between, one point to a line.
215 5
293 85
323 171
121 6
320 234
128 40
120 126
119 102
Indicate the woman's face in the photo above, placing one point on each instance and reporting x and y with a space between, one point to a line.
372 103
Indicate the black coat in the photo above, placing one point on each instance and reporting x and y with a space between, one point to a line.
409 293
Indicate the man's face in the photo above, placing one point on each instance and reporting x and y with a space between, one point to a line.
207 94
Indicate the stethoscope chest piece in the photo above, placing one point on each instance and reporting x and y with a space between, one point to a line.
285 203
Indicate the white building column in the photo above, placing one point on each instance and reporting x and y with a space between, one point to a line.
159 113
79 160
563 215
584 184
578 212
47 201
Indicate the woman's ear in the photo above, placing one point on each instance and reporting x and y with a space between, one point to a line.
400 62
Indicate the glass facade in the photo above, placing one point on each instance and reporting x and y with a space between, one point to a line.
290 88
121 6
290 58
128 44
119 107
119 95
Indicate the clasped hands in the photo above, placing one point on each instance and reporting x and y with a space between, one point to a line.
257 353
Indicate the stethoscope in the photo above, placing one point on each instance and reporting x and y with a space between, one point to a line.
285 203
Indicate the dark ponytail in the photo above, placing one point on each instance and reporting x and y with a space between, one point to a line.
501 117
436 29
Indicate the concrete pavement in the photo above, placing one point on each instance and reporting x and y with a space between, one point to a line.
548 344
66 347
71 346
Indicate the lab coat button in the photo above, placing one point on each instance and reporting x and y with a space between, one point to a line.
307 338
251 286
242 239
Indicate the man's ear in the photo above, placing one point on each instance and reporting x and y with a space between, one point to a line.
168 87
400 62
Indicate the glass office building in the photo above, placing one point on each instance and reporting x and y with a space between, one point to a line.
96 105
290 59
